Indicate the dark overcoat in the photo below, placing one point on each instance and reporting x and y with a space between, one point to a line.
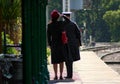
54 32
74 40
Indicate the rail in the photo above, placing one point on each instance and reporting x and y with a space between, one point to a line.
98 48
109 54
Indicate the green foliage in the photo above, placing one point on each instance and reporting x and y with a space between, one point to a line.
10 14
11 9
48 52
111 4
10 50
101 29
54 4
113 20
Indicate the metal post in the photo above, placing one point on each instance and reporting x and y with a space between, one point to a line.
85 36
34 41
66 5
5 50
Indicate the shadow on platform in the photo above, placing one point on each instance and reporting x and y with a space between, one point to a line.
61 81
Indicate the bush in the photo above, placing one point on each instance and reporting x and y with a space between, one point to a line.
10 50
48 52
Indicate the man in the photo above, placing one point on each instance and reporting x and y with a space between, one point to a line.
74 41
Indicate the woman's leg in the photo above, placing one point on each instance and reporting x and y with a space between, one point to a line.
55 67
61 69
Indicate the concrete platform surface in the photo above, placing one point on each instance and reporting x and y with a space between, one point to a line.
89 70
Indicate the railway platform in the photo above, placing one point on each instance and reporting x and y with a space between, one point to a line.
89 70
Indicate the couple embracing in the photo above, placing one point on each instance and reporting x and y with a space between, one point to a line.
64 40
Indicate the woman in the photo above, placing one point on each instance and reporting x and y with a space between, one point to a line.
54 33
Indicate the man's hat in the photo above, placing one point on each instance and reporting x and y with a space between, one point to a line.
66 13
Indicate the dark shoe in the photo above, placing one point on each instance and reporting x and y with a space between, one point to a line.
61 78
68 77
55 78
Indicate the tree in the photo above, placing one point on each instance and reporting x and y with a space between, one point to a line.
113 20
10 11
111 4
95 25
54 4
100 30
99 8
